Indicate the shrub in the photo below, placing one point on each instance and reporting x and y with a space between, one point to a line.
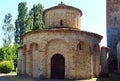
6 66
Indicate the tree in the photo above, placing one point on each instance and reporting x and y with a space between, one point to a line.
8 29
20 24
38 19
9 53
29 21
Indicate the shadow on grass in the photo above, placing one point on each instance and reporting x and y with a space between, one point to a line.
15 78
111 77
25 78
103 79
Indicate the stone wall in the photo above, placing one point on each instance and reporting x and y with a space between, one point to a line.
83 60
79 50
20 55
63 18
113 13
77 47
112 39
96 60
59 46
113 29
104 61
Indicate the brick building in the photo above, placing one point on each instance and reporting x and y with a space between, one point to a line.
61 50
113 33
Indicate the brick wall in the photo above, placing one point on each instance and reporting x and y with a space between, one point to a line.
77 47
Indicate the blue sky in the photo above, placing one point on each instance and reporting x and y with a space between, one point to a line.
92 20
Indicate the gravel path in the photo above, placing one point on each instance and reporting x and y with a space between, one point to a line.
14 77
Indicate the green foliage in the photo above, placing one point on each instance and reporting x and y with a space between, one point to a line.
38 21
15 53
8 29
28 22
9 52
21 21
6 66
24 23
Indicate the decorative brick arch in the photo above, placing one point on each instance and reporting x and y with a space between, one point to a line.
83 46
59 42
58 46
57 67
83 58
32 48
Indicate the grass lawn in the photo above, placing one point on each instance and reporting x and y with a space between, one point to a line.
13 77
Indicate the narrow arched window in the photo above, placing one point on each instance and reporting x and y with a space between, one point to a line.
80 46
115 21
61 22
24 49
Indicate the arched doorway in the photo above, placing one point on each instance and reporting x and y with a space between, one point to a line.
58 67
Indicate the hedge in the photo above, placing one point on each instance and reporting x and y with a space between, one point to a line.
6 66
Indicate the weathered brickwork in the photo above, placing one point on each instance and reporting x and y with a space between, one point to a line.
104 60
62 15
113 13
113 31
50 42
78 51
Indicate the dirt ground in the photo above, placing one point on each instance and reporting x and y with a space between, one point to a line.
14 77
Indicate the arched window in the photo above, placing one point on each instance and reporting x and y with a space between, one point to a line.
80 46
115 21
34 46
61 22
83 46
24 49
